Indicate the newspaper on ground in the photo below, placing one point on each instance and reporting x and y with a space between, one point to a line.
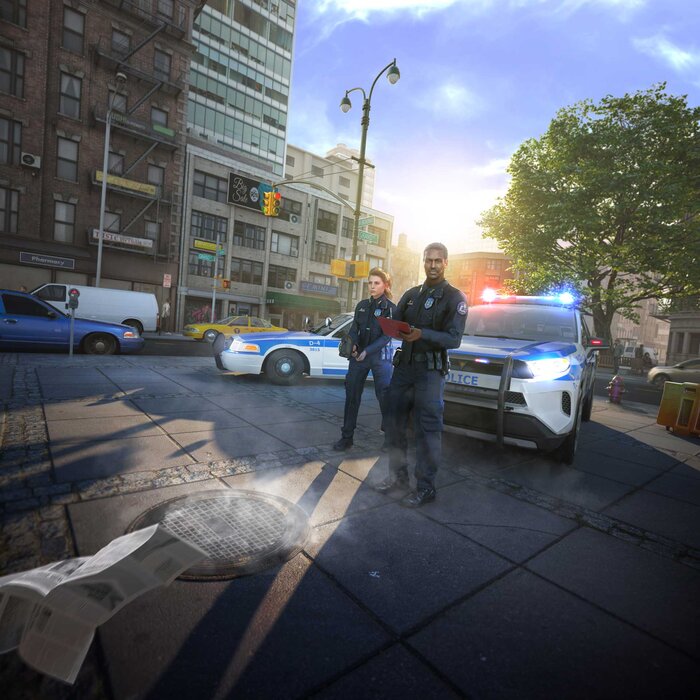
50 613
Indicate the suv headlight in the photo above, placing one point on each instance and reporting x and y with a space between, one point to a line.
549 368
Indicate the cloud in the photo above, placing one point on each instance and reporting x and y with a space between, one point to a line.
448 99
661 48
362 9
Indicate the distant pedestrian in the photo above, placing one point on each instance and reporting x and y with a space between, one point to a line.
618 350
371 351
164 316
436 312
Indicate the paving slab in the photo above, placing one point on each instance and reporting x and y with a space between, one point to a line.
197 421
98 429
631 450
401 565
395 673
324 493
675 485
306 433
660 514
90 408
525 638
94 391
168 406
232 401
269 415
224 443
512 528
648 591
278 633
93 460
617 464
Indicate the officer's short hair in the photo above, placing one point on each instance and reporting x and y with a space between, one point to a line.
437 246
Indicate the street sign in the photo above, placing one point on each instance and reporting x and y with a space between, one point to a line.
206 256
167 280
365 221
367 236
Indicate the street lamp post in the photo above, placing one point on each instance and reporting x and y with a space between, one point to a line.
121 79
345 105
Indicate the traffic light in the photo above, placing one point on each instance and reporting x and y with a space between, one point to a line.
271 203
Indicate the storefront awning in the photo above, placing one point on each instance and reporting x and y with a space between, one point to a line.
302 303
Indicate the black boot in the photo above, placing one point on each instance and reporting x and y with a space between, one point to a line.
343 444
418 497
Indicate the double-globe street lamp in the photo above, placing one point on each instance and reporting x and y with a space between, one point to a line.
121 80
345 105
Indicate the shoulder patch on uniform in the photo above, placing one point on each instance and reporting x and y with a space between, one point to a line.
462 308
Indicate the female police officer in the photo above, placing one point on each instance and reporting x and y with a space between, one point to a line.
371 351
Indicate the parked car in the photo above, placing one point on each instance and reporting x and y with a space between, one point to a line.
233 325
285 357
122 306
28 323
686 371
523 374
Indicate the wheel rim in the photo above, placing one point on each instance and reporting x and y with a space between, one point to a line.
210 335
100 345
285 366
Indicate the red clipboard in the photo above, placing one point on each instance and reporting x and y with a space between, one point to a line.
392 328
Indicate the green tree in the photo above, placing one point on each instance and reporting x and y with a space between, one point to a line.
607 201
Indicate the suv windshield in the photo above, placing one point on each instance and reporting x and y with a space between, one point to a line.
522 322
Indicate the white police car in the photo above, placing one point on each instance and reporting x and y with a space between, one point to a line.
285 357
523 374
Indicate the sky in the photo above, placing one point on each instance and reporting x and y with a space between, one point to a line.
478 77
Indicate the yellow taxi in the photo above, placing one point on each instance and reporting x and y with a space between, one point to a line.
233 325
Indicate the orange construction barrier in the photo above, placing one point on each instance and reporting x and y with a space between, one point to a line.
670 403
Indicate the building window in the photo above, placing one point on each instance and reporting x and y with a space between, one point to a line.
121 42
290 160
10 141
493 265
156 176
246 271
278 275
69 102
113 222
284 244
208 226
248 235
380 233
67 160
151 230
12 72
73 30
165 8
315 170
115 164
290 208
327 221
161 65
9 209
344 181
210 186
202 268
63 222
320 279
159 116
14 11
346 230
323 252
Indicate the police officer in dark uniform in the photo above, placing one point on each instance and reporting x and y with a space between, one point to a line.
436 312
371 351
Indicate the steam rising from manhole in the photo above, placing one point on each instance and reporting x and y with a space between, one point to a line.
243 532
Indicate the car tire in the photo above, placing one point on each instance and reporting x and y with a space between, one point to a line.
660 380
284 367
210 335
587 408
100 344
566 452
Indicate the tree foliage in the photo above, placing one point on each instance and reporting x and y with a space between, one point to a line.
607 201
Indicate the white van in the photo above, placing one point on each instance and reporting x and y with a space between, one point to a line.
136 309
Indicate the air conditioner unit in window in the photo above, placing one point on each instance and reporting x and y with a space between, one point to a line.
30 160
294 218
288 285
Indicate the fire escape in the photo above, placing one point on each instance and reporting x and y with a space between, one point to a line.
155 18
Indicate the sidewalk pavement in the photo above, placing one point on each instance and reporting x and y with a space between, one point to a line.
524 579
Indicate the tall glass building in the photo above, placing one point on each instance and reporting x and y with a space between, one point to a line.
240 77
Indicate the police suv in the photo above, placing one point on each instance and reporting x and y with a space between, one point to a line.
523 374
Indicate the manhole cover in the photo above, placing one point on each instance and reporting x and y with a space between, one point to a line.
242 531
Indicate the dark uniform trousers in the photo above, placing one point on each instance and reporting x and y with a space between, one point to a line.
416 387
355 382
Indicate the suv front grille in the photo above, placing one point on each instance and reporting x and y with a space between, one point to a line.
511 397
493 368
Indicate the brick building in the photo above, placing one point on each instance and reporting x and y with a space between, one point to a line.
474 272
69 60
